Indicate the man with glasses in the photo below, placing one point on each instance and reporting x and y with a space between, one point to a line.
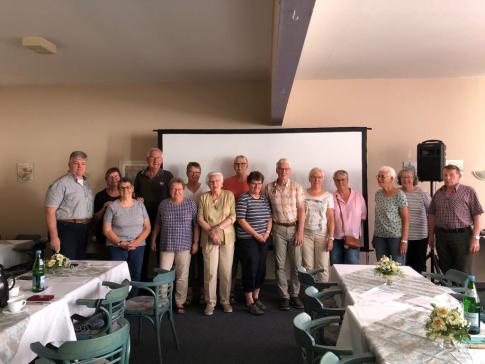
238 185
151 184
288 208
69 209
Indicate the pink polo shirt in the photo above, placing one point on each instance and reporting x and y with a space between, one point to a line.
354 211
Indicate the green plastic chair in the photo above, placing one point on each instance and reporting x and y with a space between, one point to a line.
307 278
453 279
304 328
155 305
314 302
331 358
113 307
110 348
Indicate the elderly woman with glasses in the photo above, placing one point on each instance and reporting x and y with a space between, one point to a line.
126 226
392 218
319 225
104 198
216 216
179 236
418 204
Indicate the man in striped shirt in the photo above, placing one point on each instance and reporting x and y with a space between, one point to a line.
288 206
454 220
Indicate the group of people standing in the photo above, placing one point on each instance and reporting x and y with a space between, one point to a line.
205 231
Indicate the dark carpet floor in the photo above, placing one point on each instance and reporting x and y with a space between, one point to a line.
229 338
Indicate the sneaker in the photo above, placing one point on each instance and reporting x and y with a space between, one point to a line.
209 310
227 307
296 302
284 304
253 309
260 305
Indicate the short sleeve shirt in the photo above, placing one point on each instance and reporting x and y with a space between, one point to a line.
316 212
285 201
388 223
236 187
177 223
71 199
256 212
126 222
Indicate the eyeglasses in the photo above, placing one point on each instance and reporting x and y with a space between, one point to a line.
240 164
124 188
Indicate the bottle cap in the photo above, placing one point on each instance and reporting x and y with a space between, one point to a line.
38 252
471 277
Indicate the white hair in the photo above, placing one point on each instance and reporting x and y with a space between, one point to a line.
154 149
316 169
388 170
241 157
210 174
283 160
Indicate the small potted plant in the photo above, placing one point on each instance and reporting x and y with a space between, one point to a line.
388 269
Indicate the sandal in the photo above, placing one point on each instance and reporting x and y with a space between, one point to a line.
179 309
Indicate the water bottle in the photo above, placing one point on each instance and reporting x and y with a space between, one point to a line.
471 307
38 273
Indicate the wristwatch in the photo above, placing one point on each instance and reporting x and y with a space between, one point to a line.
476 237
119 243
331 238
404 241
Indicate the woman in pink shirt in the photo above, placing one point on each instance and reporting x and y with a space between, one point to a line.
349 205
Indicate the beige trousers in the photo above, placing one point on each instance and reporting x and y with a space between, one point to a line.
217 264
314 255
182 265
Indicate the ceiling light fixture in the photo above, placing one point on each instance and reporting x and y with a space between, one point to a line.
39 45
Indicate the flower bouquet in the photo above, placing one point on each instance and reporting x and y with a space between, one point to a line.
446 324
57 261
388 269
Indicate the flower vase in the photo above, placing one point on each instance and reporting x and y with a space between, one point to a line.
446 343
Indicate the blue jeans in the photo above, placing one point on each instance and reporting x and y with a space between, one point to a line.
134 258
340 255
388 247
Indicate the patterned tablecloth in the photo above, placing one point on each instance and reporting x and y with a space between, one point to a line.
51 322
389 320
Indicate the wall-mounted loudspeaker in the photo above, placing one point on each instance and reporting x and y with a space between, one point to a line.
431 160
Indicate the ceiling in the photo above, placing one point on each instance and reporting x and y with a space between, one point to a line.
150 41
350 39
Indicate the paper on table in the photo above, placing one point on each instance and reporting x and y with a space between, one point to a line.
440 300
366 313
378 295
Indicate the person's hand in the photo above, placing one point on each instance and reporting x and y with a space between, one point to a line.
106 204
260 238
132 245
431 242
214 236
56 244
372 243
194 248
153 246
140 199
298 238
474 246
266 236
403 248
329 246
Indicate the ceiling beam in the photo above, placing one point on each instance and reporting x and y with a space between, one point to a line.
290 25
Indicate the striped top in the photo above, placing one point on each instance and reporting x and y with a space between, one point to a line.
418 203
285 201
256 212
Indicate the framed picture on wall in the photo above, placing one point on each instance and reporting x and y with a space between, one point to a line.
131 168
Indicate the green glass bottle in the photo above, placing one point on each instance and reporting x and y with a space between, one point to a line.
471 307
38 273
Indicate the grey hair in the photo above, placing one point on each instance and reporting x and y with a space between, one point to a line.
176 180
316 169
389 170
339 173
283 160
77 154
154 149
210 174
241 157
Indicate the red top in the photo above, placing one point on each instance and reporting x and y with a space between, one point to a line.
236 187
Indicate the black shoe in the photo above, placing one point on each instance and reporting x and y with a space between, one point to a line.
296 302
285 304
260 305
253 309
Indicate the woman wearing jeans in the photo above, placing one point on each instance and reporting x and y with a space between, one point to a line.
253 213
126 226
349 205
392 218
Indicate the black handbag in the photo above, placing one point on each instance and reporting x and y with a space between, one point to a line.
90 324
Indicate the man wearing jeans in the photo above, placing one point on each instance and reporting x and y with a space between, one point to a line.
454 221
288 205
69 209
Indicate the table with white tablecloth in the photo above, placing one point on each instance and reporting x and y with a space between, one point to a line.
51 322
10 257
388 320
